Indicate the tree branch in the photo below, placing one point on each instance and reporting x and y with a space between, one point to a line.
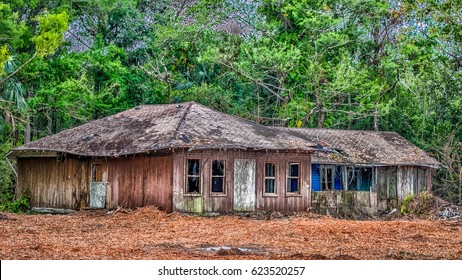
18 69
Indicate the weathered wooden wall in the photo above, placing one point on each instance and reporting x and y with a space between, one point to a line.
205 201
139 181
335 202
237 180
395 183
53 184
130 182
283 201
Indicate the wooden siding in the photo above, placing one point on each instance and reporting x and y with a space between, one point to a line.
284 202
139 181
53 184
387 187
207 202
395 183
406 180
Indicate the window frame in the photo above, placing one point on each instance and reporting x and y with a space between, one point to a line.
187 176
288 177
358 173
323 167
224 192
275 193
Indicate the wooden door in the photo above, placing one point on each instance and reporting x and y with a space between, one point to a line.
244 184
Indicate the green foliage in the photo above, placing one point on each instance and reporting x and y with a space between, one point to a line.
16 206
3 59
352 64
419 204
50 36
7 196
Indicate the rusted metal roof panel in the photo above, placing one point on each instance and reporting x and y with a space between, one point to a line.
364 147
159 127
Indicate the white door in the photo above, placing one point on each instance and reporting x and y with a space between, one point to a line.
244 184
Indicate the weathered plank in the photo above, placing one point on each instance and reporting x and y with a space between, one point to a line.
53 184
140 181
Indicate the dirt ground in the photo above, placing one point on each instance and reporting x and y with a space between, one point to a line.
148 233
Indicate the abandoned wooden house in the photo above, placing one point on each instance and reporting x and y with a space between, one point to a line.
372 170
187 157
180 157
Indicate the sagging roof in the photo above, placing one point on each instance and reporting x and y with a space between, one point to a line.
159 127
364 147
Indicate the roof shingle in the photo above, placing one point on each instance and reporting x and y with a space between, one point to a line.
364 147
159 127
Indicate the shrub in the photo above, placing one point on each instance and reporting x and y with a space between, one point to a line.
16 206
417 204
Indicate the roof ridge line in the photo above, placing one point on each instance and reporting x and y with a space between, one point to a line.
181 122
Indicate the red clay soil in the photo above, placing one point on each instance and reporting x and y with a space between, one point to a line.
148 233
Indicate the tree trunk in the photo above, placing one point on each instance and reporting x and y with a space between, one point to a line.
350 112
376 118
320 110
27 131
50 123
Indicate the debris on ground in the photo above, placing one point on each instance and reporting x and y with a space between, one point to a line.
449 212
148 233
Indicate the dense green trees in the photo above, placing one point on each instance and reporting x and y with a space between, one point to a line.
356 64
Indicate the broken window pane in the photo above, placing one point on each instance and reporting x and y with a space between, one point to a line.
366 179
218 176
293 169
270 169
292 185
327 177
193 167
217 184
270 186
353 179
218 168
193 176
360 179
96 173
293 178
270 177
193 185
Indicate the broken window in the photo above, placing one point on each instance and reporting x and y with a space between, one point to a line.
366 179
193 177
218 176
96 173
327 177
293 178
270 177
360 179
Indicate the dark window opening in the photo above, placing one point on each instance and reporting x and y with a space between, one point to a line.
366 179
218 176
353 176
293 179
193 180
96 173
270 177
360 179
327 177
